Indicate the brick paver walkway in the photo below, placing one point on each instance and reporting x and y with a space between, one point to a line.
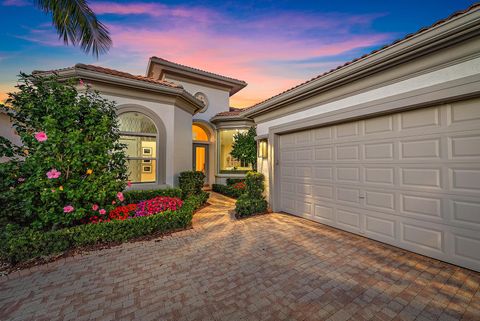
270 267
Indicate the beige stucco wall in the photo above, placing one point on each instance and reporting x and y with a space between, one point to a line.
182 140
218 99
7 131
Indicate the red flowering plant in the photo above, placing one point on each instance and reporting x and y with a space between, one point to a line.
157 205
239 186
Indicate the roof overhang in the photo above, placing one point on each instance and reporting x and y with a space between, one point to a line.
452 31
164 67
186 99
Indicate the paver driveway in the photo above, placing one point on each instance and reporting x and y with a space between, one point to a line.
270 267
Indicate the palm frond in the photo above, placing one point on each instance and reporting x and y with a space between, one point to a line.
77 24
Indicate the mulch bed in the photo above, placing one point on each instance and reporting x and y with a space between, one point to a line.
7 268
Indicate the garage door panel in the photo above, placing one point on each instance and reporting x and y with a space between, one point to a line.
324 154
348 174
379 175
464 147
465 212
422 207
465 179
410 179
464 112
347 152
324 213
421 236
347 130
349 220
380 226
379 125
425 178
380 200
420 119
379 151
420 149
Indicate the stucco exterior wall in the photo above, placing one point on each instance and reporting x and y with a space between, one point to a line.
454 72
7 131
182 148
218 99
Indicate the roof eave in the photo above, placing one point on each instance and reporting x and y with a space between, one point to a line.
447 33
133 83
234 85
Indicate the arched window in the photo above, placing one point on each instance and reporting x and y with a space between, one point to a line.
199 134
140 135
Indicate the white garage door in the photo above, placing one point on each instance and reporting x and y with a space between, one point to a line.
410 179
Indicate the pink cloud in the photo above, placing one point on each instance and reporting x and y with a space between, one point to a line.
153 10
271 53
15 3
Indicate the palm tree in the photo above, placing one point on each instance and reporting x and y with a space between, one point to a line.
77 24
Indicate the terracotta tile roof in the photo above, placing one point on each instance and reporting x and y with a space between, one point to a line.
232 112
453 15
198 70
114 72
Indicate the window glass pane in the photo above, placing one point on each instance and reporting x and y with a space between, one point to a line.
227 162
142 170
138 146
137 123
198 133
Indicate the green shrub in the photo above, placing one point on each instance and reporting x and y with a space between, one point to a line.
135 196
233 181
70 157
246 206
252 202
254 184
227 190
18 244
191 182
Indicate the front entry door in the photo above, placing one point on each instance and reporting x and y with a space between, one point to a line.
200 159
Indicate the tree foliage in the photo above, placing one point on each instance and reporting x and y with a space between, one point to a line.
70 157
244 147
77 24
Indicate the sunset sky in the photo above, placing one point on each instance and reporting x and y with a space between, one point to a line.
272 45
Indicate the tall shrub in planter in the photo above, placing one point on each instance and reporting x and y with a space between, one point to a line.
252 202
191 183
70 161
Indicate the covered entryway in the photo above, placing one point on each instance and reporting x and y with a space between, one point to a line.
201 153
410 179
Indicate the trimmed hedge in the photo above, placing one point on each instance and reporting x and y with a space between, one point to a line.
191 182
252 202
227 190
142 195
18 245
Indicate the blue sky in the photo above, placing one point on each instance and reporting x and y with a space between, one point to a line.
272 45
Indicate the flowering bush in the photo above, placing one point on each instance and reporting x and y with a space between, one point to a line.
157 205
239 186
144 208
70 158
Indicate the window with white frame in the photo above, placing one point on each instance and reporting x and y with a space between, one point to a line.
140 135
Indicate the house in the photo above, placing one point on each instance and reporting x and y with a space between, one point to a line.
386 146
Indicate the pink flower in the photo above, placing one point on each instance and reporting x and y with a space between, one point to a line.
120 196
21 179
41 136
129 184
53 173
95 207
102 211
53 190
113 202
81 82
68 209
